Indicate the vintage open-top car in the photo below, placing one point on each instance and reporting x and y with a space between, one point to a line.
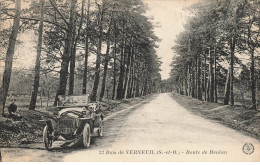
77 120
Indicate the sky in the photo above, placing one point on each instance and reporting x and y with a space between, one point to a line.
171 16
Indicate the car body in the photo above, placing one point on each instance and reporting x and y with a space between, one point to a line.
77 119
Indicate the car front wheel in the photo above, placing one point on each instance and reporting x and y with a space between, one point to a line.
86 136
47 138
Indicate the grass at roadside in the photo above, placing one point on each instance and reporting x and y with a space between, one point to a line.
29 130
237 117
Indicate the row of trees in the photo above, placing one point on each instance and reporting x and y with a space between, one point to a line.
116 32
218 46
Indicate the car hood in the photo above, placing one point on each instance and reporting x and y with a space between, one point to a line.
74 109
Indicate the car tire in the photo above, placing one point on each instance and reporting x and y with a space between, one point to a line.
86 136
47 138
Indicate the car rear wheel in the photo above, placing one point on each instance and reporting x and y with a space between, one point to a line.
86 136
47 138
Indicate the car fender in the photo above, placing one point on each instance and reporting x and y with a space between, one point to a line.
82 122
97 119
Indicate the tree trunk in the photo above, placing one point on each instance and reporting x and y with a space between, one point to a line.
232 53
102 92
134 84
137 81
10 53
38 60
130 52
195 78
114 74
201 77
215 76
193 81
143 88
128 88
74 50
251 47
205 78
98 56
252 78
131 80
186 87
211 77
66 53
208 88
72 63
137 90
189 80
106 59
232 48
85 74
199 93
122 72
132 88
227 89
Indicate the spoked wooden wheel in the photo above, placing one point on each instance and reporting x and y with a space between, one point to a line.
86 136
47 139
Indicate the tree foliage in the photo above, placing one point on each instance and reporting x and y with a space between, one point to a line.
217 43
115 36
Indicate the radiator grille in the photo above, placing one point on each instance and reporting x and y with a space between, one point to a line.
66 123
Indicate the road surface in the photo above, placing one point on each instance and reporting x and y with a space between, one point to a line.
158 130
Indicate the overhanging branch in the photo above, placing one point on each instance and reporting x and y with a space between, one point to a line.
64 19
35 19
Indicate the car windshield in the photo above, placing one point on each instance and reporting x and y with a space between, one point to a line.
67 101
69 110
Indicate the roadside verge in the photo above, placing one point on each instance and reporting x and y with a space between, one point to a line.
237 117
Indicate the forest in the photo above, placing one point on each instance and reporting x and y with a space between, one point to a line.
69 33
217 55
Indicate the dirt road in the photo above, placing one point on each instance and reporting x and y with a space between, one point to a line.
158 130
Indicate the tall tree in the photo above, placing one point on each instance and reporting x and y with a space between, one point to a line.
66 53
232 22
85 72
10 53
38 59
98 54
76 35
253 42
122 67
107 58
114 62
199 92
211 77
